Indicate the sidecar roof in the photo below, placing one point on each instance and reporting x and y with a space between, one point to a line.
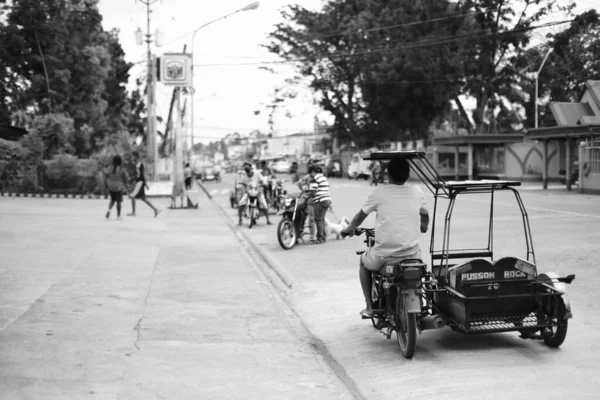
423 169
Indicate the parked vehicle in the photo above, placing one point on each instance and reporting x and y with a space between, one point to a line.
281 166
359 168
278 195
334 169
465 288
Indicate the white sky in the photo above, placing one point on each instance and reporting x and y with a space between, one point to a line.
226 95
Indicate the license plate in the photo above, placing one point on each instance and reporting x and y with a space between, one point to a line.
412 301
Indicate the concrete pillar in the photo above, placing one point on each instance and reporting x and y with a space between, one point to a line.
456 172
470 162
545 165
568 163
581 162
436 158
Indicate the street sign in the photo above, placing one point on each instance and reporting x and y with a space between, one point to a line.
175 69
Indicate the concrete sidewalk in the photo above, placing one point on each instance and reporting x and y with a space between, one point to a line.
144 308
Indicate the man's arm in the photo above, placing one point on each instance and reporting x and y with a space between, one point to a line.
356 222
424 221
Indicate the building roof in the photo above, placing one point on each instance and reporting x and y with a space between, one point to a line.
459 140
594 88
562 132
569 114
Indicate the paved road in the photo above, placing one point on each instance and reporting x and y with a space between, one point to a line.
448 364
144 308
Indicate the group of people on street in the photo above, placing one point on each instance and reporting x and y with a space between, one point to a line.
117 181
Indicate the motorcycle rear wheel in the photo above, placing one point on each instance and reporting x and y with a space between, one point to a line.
286 234
406 328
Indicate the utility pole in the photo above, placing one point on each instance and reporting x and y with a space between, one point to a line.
151 113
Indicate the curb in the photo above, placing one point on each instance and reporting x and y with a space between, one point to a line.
283 274
71 195
55 195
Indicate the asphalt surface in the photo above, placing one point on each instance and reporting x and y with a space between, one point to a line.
167 308
447 364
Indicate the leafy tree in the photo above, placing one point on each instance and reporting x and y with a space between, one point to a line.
57 133
366 63
499 32
56 58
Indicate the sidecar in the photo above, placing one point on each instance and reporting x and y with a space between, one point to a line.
474 292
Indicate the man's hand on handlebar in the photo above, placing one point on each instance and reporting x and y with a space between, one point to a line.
352 232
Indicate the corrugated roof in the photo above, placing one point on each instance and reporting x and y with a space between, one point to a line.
586 120
568 114
594 88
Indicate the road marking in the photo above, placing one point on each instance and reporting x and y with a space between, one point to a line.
541 209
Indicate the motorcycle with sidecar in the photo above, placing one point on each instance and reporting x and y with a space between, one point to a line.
466 289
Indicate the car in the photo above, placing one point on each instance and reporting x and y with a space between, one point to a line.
281 166
359 168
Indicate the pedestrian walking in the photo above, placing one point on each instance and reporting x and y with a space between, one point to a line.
115 180
139 191
187 173
321 201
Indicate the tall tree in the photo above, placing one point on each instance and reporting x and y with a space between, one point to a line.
56 58
498 31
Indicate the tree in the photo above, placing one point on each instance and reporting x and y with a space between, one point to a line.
366 63
56 58
498 31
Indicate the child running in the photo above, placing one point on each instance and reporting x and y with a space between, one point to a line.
115 179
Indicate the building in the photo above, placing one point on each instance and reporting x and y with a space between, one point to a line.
573 133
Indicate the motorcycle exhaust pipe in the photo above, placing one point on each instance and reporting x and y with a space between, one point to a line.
432 322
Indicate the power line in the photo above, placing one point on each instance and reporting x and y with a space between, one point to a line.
410 45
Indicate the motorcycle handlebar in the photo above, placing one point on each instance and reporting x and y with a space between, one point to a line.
360 231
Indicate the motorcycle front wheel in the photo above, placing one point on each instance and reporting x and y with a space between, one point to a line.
406 328
286 234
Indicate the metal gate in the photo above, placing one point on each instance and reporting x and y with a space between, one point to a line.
591 157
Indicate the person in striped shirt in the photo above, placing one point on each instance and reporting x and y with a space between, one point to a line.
321 201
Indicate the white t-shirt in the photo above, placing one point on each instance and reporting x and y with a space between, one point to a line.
398 223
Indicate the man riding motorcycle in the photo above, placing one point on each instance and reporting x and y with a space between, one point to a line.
401 214
256 178
269 177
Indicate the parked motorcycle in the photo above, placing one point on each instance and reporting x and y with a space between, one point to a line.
291 226
396 293
278 195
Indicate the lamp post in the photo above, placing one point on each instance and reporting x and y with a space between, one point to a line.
251 6
151 113
537 75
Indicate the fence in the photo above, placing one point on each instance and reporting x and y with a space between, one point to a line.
591 157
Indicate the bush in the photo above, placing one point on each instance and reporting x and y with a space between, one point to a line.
61 171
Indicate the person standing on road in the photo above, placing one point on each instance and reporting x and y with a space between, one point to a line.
140 186
115 179
321 201
187 173
401 214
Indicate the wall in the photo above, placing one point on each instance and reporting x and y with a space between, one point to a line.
591 183
294 144
524 160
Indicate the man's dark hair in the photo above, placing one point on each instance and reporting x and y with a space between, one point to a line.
313 168
399 170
